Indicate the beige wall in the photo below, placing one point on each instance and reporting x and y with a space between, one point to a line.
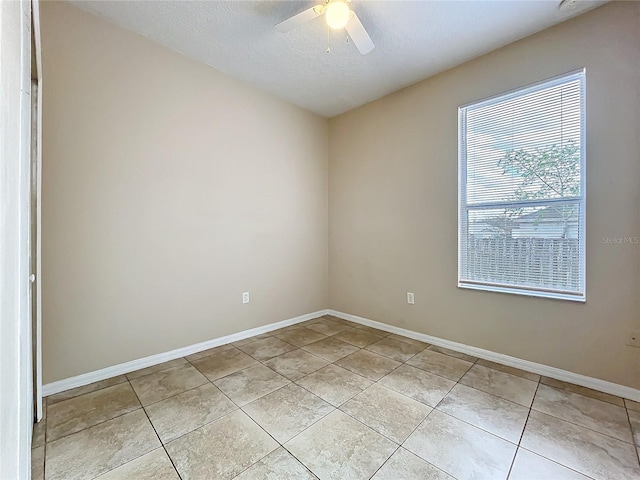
393 204
169 189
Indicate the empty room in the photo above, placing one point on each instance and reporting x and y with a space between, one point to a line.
320 240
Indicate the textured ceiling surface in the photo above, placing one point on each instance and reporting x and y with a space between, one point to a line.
414 40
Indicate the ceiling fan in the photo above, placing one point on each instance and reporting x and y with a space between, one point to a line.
338 16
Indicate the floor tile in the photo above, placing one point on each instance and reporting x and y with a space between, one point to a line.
529 466
78 413
375 331
358 337
249 340
266 348
38 436
395 349
221 449
453 353
301 337
209 351
296 364
187 411
588 412
634 419
160 385
224 363
311 322
517 389
387 412
92 387
250 384
631 405
440 364
581 449
404 465
334 384
587 392
154 465
506 369
341 448
368 364
496 415
412 341
330 349
278 465
157 368
336 319
342 321
37 463
101 448
282 330
422 386
287 411
460 449
327 327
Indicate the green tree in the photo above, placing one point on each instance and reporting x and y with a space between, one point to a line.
546 172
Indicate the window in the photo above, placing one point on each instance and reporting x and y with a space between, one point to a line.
521 220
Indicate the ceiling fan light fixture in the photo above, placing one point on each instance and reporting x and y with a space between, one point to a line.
337 14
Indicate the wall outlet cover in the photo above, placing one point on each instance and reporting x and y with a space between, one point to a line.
245 297
410 298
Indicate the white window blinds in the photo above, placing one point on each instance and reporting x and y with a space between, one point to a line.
521 191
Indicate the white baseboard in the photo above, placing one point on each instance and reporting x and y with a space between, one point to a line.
552 372
122 368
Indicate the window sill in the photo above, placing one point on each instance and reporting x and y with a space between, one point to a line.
524 292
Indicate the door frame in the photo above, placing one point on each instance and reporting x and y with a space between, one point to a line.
16 343
36 223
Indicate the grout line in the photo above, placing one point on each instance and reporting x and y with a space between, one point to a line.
555 462
86 393
513 460
586 428
96 424
156 432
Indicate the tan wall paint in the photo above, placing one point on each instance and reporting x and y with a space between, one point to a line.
169 189
393 204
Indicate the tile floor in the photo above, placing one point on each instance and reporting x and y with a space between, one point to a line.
332 400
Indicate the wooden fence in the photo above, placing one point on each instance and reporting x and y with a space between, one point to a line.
535 262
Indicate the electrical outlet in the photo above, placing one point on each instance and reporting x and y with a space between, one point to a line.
410 299
634 339
245 297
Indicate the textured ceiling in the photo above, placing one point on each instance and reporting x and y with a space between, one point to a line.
414 40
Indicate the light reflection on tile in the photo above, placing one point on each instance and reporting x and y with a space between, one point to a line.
278 465
581 449
488 412
529 466
461 450
510 387
588 412
404 465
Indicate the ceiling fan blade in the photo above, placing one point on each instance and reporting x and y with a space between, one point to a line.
302 17
359 35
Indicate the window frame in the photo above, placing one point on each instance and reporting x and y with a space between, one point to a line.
463 208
